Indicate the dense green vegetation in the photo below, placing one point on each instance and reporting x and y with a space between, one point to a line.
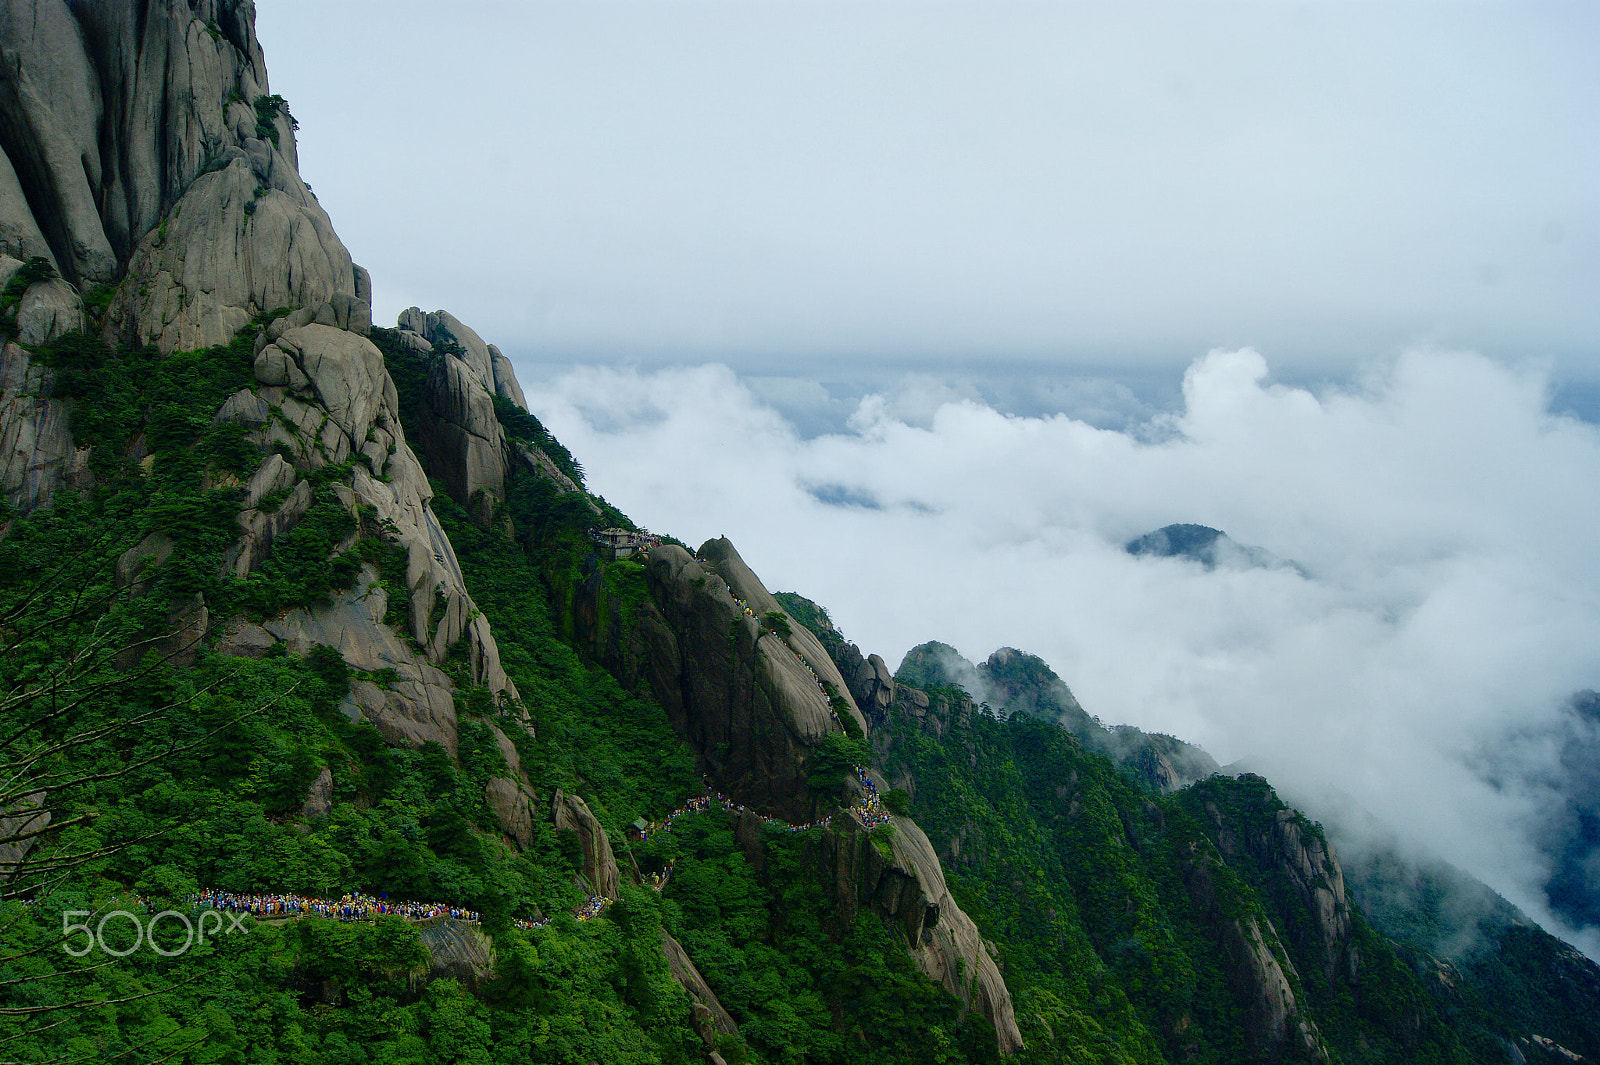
192 777
1106 906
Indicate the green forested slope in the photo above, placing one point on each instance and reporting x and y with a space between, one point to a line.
1113 911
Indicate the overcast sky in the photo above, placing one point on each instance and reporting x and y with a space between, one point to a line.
832 188
931 307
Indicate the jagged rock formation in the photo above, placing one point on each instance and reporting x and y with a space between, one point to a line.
463 439
572 814
903 882
1017 682
750 700
735 689
1274 1025
1281 841
141 139
323 398
710 1019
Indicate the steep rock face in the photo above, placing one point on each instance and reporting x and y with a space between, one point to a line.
902 881
117 116
736 691
709 1018
457 950
752 704
1279 842
1274 1026
37 456
572 814
243 239
463 441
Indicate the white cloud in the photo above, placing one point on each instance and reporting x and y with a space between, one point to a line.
1446 519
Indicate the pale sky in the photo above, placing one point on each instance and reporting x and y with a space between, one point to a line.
932 307
815 189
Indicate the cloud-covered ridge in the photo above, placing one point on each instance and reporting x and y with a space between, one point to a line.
1447 517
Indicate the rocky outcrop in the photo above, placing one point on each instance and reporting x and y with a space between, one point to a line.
1281 843
512 806
37 456
325 397
1259 976
457 950
242 239
708 1016
319 796
20 826
142 141
735 690
1020 683
462 440
894 871
572 814
752 700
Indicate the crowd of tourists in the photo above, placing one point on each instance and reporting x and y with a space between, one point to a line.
356 906
870 811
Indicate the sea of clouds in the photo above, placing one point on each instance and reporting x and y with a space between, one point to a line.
1444 519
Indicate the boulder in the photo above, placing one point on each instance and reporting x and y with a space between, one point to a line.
319 796
896 873
48 309
709 1018
459 951
505 378
572 814
512 807
136 565
416 708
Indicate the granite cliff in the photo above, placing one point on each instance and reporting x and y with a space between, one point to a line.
150 196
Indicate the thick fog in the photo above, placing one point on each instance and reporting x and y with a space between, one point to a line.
1443 518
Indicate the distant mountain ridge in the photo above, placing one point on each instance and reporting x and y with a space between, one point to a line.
1016 682
1212 548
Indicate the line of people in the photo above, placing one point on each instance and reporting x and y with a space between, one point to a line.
870 811
357 906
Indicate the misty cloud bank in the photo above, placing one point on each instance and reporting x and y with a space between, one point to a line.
1423 660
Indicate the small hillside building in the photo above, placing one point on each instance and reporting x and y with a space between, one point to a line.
616 543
